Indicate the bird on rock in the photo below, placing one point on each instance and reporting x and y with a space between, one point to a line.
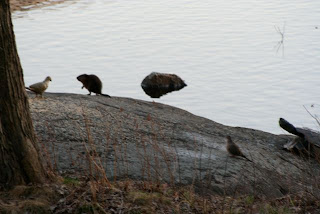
234 150
40 87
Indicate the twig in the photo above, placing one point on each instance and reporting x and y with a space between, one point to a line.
314 117
281 42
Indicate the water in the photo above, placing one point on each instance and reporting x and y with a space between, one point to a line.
227 52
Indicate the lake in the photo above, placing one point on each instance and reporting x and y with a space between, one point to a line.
246 62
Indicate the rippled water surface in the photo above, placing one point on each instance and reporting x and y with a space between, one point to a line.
229 53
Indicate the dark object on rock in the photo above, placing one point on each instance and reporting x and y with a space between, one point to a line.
157 84
307 142
234 150
92 83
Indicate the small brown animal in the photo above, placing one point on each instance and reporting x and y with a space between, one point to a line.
233 149
92 83
40 87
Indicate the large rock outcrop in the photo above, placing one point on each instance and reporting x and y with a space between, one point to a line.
152 141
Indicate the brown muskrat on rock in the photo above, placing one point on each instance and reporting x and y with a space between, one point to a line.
92 83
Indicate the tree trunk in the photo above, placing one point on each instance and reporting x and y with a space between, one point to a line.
19 159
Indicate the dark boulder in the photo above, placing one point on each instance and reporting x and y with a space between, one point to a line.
157 84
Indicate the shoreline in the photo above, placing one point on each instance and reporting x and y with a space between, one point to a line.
23 5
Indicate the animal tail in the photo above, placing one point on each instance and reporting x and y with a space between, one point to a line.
106 95
29 88
246 158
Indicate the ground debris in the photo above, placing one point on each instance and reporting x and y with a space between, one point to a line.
128 196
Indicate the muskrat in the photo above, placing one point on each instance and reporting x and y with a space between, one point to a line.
92 83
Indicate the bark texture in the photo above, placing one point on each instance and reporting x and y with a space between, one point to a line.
19 159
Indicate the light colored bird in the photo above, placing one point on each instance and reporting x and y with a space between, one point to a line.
40 87
233 149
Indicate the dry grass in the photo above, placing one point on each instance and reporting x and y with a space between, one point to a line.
81 196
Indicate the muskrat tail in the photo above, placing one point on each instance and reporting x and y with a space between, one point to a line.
106 95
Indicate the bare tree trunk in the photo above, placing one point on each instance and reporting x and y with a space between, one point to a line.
19 159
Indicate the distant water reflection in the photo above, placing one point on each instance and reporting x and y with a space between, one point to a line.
226 51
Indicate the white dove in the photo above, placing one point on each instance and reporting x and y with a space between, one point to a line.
40 87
